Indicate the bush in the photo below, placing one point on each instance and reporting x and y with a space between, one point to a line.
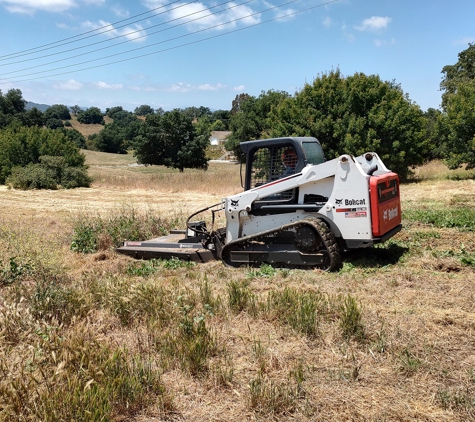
33 176
74 135
22 146
48 174
57 111
54 123
92 115
75 177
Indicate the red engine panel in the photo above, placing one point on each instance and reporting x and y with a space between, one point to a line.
385 203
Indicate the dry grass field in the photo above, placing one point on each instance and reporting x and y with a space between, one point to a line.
88 129
99 336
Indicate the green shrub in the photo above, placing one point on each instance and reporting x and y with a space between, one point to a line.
85 235
28 147
54 123
15 270
33 176
265 270
49 173
75 177
143 268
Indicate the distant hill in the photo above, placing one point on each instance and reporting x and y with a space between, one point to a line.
41 107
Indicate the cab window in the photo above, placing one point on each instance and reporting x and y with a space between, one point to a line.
313 152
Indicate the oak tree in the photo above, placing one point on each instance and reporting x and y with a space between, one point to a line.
171 140
353 115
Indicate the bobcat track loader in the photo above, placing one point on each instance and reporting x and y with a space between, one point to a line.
304 218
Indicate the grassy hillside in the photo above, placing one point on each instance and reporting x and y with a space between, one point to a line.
97 158
387 337
86 129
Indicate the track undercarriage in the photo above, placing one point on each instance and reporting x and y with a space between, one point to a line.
304 244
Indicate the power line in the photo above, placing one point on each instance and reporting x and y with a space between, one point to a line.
154 44
175 38
121 36
19 53
90 36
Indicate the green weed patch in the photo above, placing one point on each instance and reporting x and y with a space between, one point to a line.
457 217
93 233
300 310
15 269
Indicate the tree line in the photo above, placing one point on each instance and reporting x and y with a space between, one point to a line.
348 114
357 113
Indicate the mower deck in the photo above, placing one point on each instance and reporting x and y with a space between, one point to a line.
174 245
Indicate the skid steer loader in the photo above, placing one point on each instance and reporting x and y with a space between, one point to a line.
299 216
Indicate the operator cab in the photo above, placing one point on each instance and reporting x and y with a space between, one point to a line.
268 160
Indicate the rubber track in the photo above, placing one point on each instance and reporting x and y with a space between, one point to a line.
330 245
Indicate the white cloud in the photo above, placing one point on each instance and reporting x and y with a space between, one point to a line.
327 22
31 6
183 87
144 87
151 4
281 14
350 37
239 88
132 33
180 87
210 87
381 43
285 15
120 12
104 85
203 18
71 85
243 12
374 23
465 41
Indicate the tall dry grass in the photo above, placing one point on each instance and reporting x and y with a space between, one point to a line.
437 170
219 179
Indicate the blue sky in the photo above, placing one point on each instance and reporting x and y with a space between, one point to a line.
205 53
